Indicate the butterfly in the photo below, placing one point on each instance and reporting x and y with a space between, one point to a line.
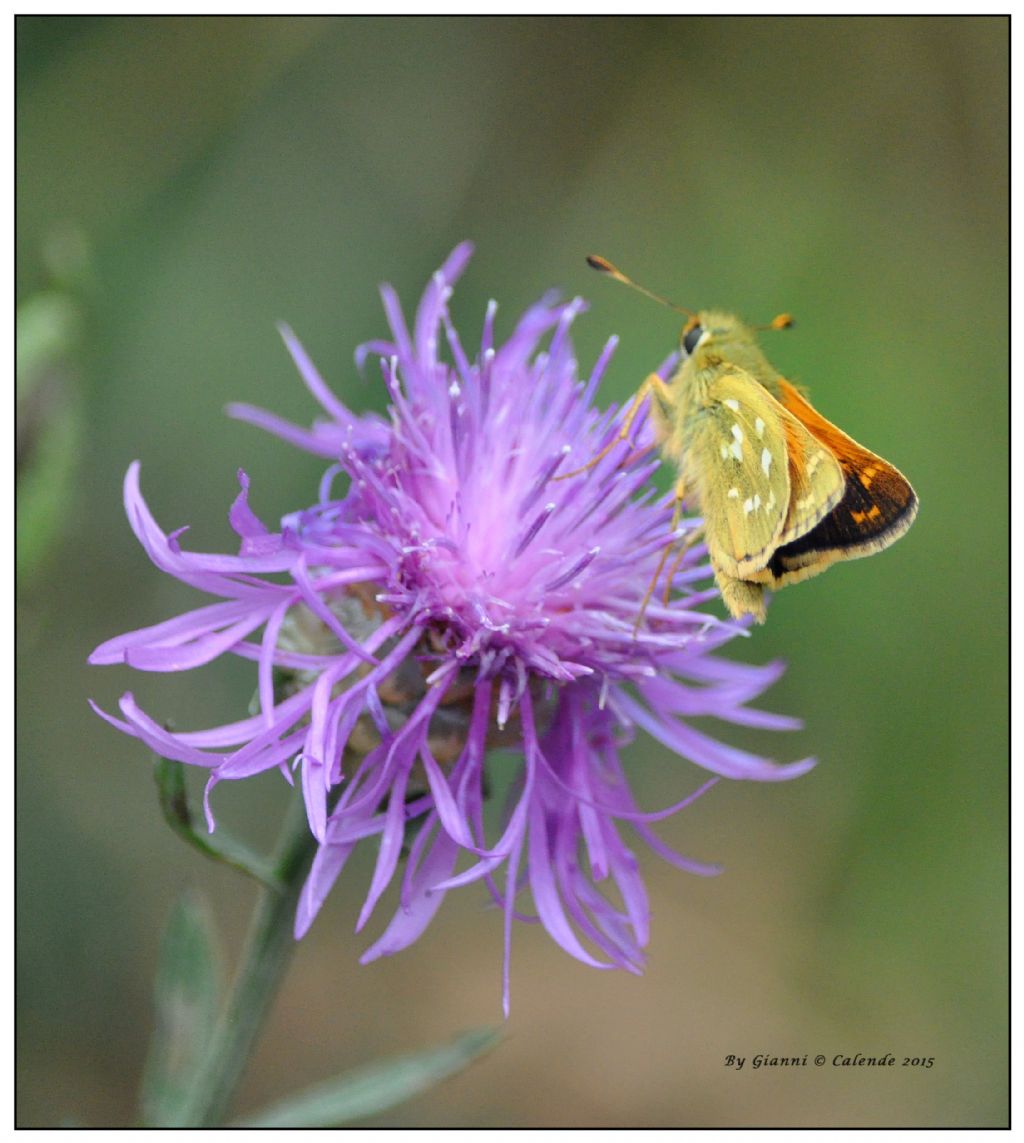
784 494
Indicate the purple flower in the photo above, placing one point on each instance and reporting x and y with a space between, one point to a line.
454 599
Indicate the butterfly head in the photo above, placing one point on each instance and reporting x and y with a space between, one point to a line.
713 335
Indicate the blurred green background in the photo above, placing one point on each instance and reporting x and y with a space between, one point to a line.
184 183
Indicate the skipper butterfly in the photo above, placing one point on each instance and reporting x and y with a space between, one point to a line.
783 492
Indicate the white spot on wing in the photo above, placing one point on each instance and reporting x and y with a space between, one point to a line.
732 403
766 460
759 428
733 494
737 444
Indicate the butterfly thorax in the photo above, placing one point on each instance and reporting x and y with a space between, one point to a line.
678 411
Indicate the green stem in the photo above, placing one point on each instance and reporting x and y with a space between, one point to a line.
268 949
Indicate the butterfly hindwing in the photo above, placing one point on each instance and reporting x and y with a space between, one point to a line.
877 505
815 477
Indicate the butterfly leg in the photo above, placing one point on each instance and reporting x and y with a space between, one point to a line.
678 496
638 455
685 544
653 384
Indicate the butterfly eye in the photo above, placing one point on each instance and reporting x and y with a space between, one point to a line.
692 337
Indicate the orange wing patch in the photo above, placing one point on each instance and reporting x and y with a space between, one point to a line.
878 504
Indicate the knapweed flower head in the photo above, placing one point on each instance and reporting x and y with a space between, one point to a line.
447 597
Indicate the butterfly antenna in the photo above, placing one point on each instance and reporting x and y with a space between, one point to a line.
596 262
780 321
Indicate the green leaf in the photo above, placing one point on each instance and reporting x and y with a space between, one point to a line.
170 780
376 1087
187 996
